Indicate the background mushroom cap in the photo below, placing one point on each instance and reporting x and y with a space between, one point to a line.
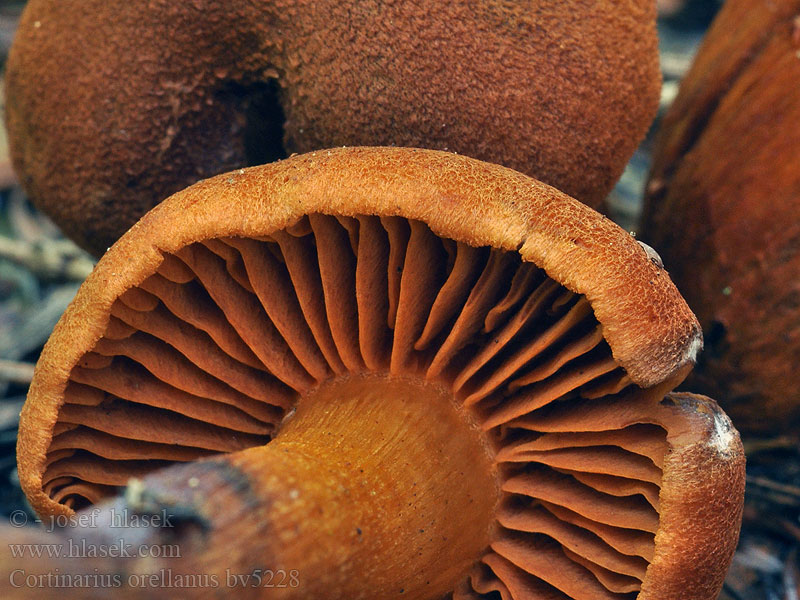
722 208
659 499
111 108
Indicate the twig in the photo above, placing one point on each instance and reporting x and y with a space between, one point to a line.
36 322
755 446
16 372
764 482
48 259
778 526
9 416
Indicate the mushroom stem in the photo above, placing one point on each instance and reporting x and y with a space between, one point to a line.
355 495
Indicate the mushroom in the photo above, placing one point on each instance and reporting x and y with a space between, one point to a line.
723 208
111 107
393 373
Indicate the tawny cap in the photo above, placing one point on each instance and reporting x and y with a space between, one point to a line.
112 107
556 334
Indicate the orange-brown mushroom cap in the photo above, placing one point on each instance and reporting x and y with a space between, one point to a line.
722 207
113 107
554 332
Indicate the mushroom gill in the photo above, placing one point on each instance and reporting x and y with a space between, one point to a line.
387 387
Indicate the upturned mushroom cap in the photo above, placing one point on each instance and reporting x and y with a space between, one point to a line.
722 208
114 106
361 328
